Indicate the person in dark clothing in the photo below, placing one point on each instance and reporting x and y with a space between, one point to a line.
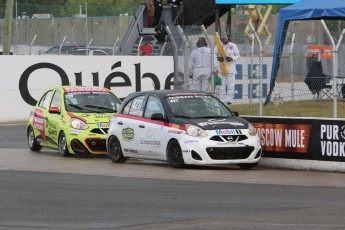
160 32
158 11
175 7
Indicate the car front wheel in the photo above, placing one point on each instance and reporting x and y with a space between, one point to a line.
33 145
63 150
115 151
174 154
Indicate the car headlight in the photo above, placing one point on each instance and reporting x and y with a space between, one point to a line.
251 130
195 131
78 124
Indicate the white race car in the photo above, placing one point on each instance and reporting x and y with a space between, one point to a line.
181 127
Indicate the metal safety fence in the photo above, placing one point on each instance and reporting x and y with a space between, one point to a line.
36 28
253 68
311 74
311 71
310 80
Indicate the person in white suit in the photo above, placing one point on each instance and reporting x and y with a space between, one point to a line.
199 64
226 90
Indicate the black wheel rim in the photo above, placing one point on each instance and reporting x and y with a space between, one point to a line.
114 149
62 144
175 153
31 137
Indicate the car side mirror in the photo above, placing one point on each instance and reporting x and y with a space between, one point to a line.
54 109
236 114
157 117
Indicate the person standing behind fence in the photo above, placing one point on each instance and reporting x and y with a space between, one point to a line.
158 11
199 64
175 7
150 8
226 90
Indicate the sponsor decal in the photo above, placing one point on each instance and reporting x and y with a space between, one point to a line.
130 151
75 131
220 122
38 122
102 116
283 137
103 125
128 134
228 132
152 143
149 134
175 131
175 99
186 151
85 89
191 141
229 143
332 139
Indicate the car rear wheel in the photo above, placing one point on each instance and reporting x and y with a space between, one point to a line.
33 145
63 150
174 154
115 151
248 166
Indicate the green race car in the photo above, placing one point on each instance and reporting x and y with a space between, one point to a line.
72 119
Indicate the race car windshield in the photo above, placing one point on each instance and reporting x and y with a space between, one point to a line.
91 102
197 106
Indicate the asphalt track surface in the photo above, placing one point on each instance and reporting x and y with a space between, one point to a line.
46 191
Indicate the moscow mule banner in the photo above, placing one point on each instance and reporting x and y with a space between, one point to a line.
313 139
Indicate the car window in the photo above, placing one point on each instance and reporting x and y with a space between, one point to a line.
153 105
56 101
197 106
44 102
91 101
127 107
136 108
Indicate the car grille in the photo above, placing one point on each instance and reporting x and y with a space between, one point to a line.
229 153
229 138
96 145
100 130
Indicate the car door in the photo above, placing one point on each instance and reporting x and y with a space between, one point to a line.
53 120
41 118
128 126
151 132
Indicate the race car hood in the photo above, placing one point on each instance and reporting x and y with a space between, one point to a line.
217 123
92 118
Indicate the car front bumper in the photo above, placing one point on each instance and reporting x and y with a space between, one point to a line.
203 151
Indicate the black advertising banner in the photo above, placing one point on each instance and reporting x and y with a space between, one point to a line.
313 139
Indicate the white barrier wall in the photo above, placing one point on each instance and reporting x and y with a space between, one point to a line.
24 78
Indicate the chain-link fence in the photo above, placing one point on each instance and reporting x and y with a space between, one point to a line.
306 85
36 28
309 76
306 59
249 89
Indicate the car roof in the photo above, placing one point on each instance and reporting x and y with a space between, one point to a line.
76 87
169 92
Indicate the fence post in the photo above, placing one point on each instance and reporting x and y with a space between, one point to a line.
261 66
33 40
291 67
335 68
177 83
186 57
63 41
251 71
212 58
